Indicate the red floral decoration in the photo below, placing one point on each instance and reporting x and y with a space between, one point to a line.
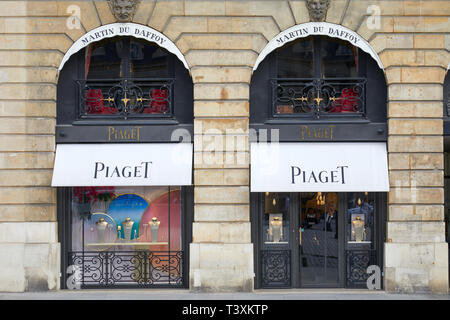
348 101
90 194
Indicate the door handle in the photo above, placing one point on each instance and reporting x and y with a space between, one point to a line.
300 236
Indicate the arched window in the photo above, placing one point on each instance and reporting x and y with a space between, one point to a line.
318 78
124 80
317 95
119 197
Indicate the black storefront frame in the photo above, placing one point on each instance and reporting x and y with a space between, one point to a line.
446 134
257 212
64 218
264 127
70 128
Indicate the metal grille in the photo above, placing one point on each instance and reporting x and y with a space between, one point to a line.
276 268
125 98
357 263
318 97
129 268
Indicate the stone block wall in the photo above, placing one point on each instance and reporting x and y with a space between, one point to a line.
221 40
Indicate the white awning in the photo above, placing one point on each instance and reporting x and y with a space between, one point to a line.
140 164
314 167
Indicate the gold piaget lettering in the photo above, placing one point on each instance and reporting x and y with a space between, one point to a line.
320 133
124 134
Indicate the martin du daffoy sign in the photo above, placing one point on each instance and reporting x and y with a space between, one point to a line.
317 28
123 29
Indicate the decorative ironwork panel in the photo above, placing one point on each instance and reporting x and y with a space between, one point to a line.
141 268
357 263
125 98
276 268
165 268
318 97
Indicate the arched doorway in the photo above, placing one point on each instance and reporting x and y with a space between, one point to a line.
124 202
323 98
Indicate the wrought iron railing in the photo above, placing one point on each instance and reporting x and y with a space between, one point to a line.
140 268
124 98
275 268
318 98
357 263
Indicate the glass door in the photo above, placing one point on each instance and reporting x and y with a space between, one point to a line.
319 240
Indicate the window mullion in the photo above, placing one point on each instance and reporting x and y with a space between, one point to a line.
126 65
317 57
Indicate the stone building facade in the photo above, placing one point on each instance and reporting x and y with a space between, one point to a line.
221 41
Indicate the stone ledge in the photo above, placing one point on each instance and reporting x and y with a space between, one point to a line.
421 91
415 127
221 267
416 267
221 109
221 74
221 232
222 195
28 232
402 213
31 143
422 109
25 195
27 160
29 267
221 142
221 41
35 58
221 91
221 58
221 160
28 213
410 232
416 161
416 178
226 213
416 195
215 125
415 143
216 177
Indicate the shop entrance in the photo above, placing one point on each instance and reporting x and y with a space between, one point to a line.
317 239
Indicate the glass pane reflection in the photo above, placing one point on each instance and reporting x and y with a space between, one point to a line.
276 219
360 217
339 59
295 60
319 245
126 218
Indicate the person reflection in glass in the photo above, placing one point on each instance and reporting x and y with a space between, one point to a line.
330 216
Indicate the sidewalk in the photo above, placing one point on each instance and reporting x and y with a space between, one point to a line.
171 294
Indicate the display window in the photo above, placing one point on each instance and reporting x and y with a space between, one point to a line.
317 239
314 93
114 218
127 235
120 97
